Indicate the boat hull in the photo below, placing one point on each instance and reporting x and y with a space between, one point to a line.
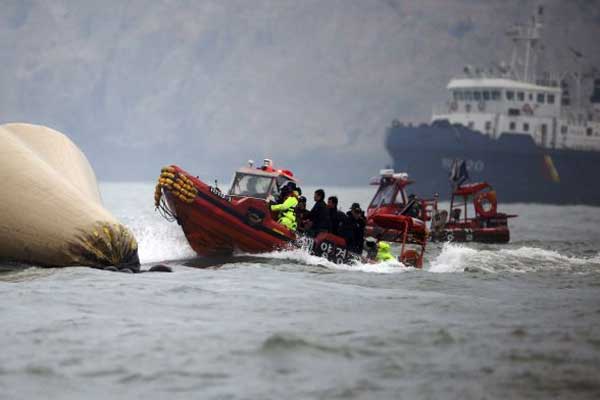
520 170
215 224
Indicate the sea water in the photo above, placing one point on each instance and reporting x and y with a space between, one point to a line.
479 321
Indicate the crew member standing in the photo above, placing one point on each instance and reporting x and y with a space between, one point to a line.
319 215
353 229
336 217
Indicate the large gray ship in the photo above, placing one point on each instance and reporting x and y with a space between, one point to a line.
523 132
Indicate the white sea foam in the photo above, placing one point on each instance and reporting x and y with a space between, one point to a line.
457 258
452 258
302 256
160 242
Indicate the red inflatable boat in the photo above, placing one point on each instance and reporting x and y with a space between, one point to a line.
386 219
482 224
217 223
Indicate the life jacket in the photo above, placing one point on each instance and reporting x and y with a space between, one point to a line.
287 212
384 252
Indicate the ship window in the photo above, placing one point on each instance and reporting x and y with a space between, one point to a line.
589 131
540 98
496 95
468 96
521 96
530 96
458 95
488 125
526 127
510 95
550 99
514 112
467 107
455 95
512 126
476 96
486 95
563 129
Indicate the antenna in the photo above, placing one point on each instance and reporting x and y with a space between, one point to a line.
526 45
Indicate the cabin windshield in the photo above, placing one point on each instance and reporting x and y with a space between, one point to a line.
249 185
400 197
384 196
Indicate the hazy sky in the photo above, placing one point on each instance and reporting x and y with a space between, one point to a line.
209 84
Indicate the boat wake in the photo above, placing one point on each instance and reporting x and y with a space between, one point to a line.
459 258
301 256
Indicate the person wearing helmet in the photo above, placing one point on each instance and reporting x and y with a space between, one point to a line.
285 190
286 211
370 249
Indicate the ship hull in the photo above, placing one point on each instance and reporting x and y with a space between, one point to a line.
513 164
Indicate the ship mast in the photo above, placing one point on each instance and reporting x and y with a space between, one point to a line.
525 48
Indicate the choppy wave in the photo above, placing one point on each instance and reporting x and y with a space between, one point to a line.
460 258
300 256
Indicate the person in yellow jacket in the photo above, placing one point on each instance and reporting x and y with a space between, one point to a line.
384 252
287 210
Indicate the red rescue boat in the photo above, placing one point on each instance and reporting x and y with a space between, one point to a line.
217 223
386 219
484 225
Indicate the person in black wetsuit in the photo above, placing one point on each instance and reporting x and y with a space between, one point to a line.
353 229
336 217
319 215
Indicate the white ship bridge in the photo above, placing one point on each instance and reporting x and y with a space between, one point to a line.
511 101
497 105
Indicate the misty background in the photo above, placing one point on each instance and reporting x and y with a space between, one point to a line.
208 85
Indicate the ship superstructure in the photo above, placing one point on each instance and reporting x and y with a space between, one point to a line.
528 132
508 99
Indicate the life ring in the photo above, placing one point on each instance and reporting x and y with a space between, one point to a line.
486 204
527 109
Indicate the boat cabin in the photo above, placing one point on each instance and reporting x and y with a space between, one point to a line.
260 183
391 193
